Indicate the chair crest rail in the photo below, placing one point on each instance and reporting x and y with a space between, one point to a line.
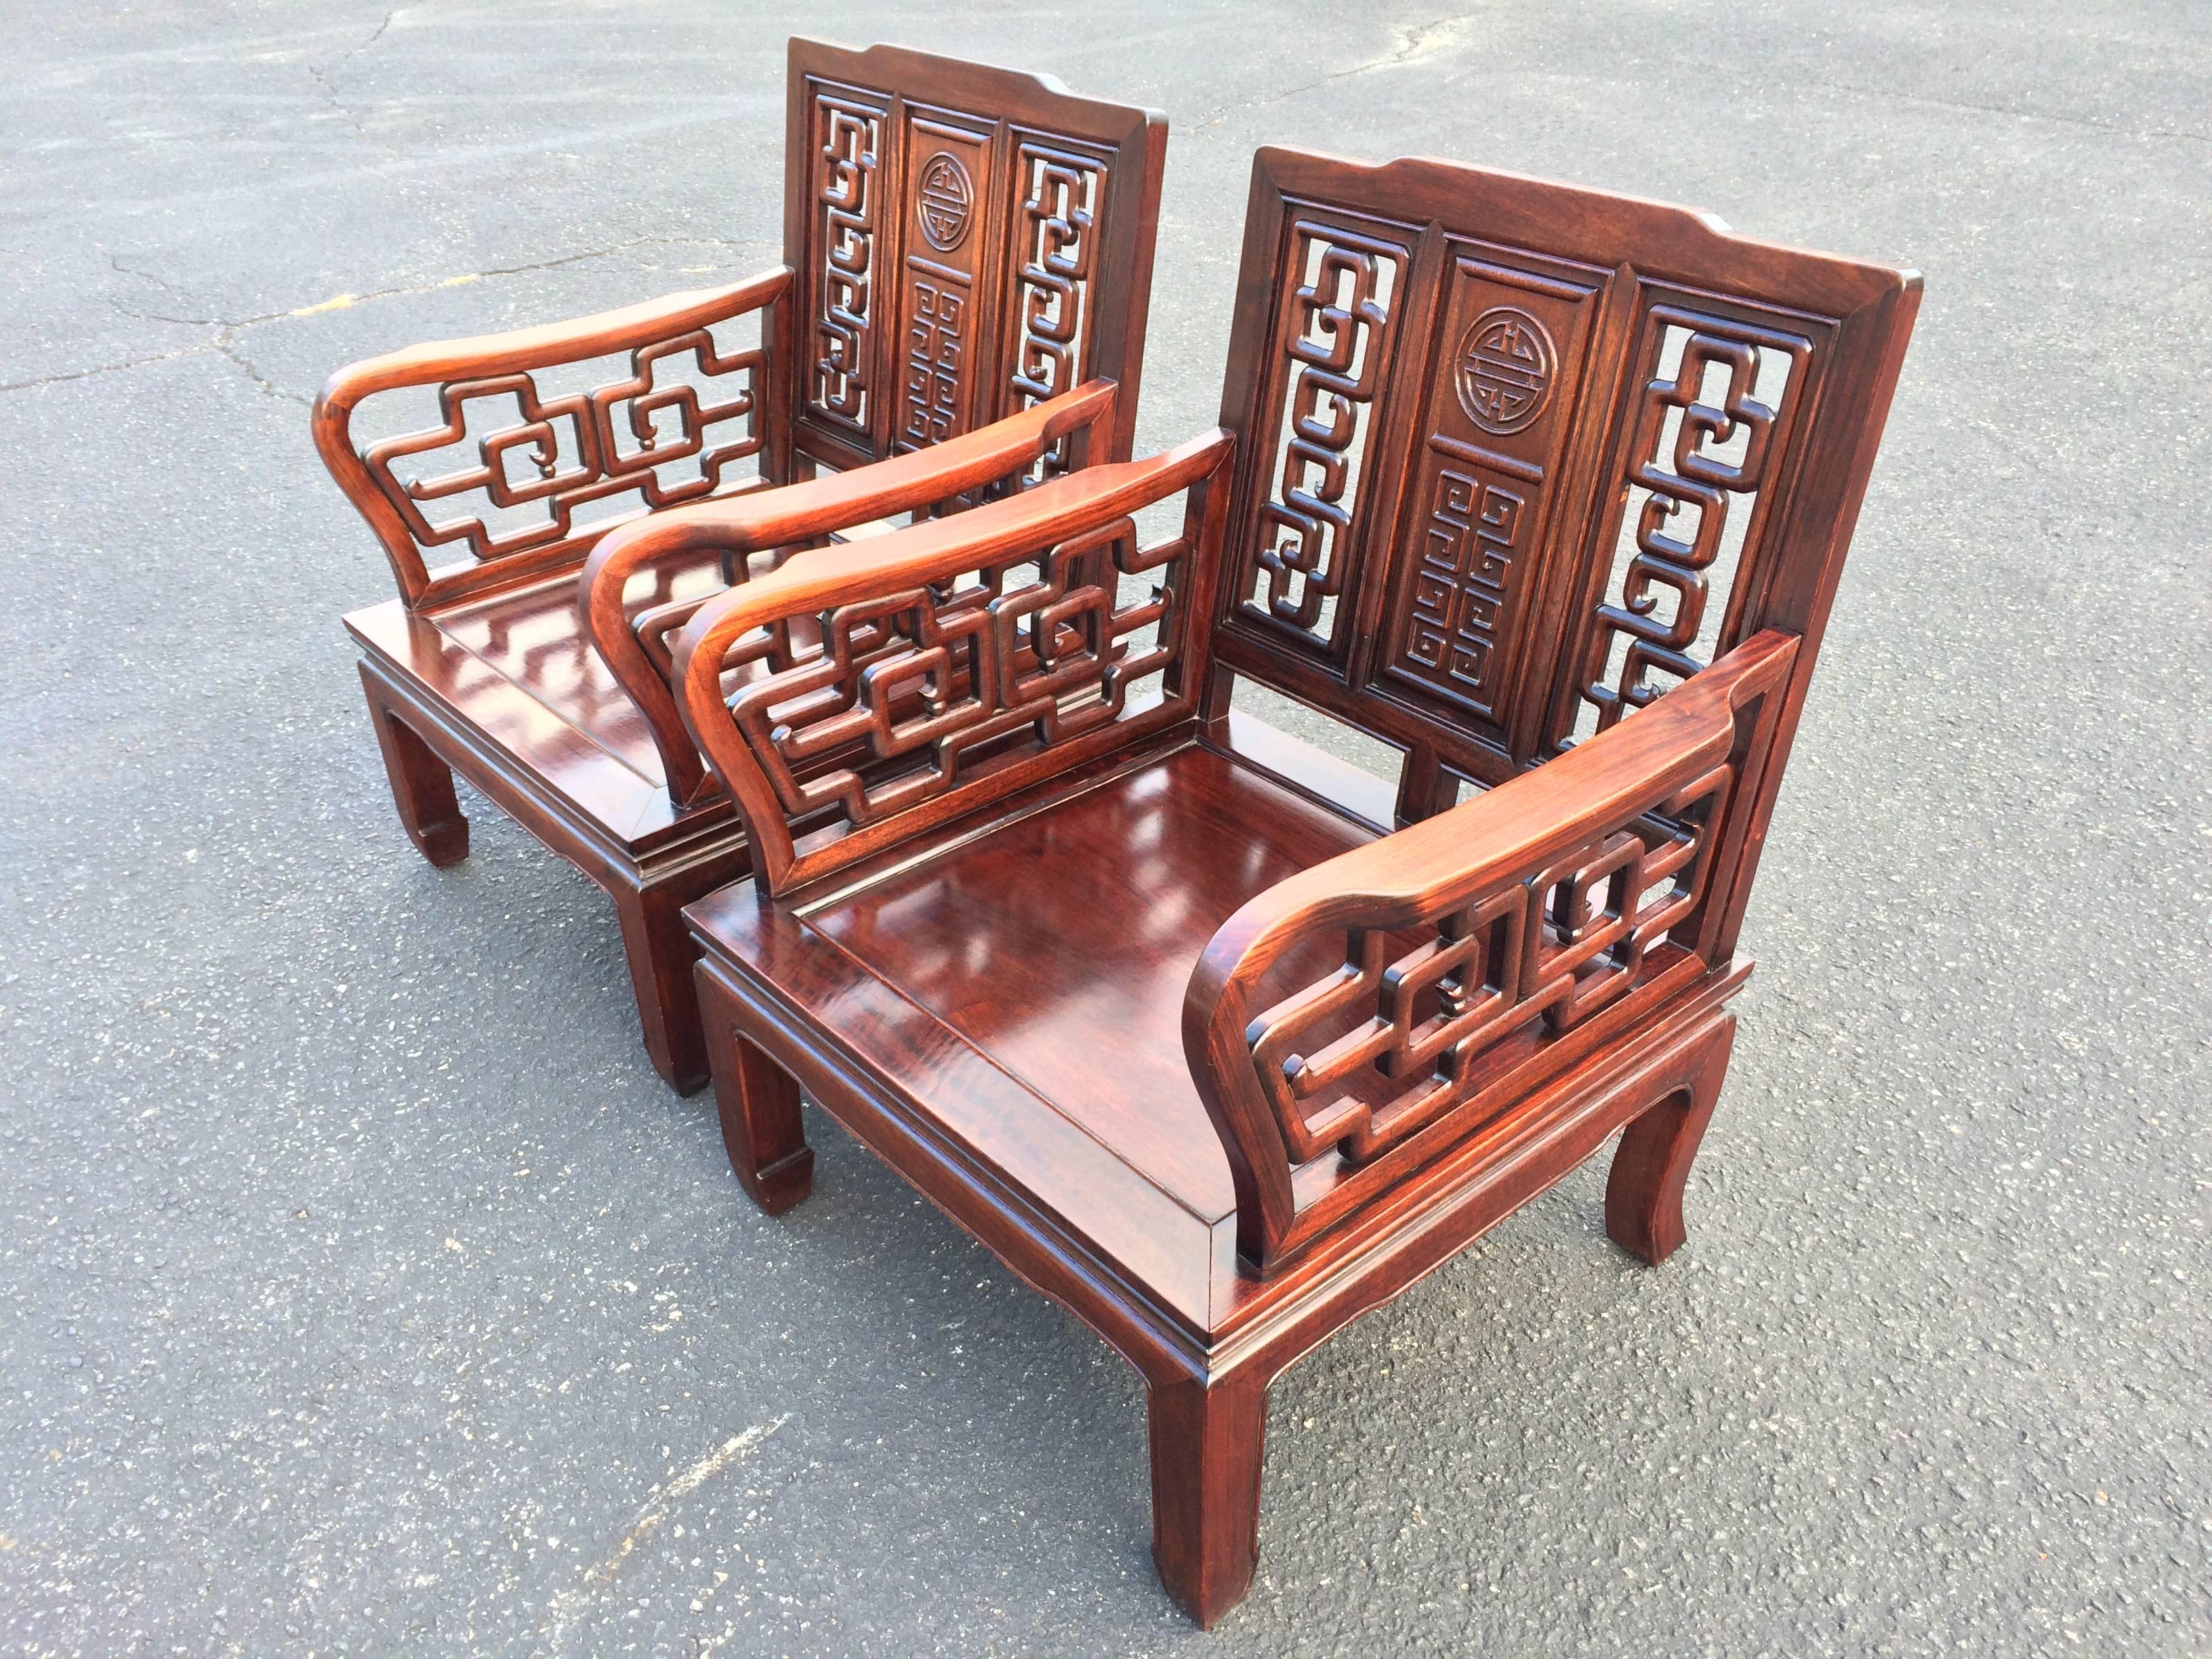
1469 942
563 452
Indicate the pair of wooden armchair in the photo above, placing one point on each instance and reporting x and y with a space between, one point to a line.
1211 1038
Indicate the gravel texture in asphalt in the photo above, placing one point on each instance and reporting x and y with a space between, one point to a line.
362 1290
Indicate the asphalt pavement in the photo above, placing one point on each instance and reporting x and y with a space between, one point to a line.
362 1289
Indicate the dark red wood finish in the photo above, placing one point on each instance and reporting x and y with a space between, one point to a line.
962 313
1213 1048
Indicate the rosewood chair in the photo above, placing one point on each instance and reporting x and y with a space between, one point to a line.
961 313
1196 1036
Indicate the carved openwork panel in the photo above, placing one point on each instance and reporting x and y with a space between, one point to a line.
1336 327
1474 537
1706 436
841 267
1508 345
945 232
669 429
1396 1036
1062 200
956 255
901 694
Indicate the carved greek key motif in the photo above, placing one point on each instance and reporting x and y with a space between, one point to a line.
846 198
1394 1039
1703 444
1469 544
532 477
1061 201
936 353
904 690
1337 332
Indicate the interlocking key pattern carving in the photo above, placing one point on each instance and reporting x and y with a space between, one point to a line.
568 451
937 347
1336 340
851 136
1393 1039
1469 544
1062 198
1706 438
905 690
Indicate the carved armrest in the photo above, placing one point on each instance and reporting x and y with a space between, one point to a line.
566 451
636 647
932 656
1466 942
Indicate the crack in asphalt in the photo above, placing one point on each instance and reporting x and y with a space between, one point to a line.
1410 43
106 368
269 387
338 106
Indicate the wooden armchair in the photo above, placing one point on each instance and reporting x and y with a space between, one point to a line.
962 313
1192 1031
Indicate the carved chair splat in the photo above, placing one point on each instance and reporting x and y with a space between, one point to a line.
1210 1049
960 315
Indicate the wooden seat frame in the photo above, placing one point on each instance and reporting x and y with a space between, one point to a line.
1492 450
961 313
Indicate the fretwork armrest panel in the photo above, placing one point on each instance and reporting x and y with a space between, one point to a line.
636 641
542 439
1473 948
948 662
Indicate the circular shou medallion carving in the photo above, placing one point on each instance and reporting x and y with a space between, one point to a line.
944 201
1506 364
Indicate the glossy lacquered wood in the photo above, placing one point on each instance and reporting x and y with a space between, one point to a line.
960 314
1210 1048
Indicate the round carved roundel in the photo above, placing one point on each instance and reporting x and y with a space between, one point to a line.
1506 363
944 201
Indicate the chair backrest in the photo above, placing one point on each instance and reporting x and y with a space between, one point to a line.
967 240
1513 457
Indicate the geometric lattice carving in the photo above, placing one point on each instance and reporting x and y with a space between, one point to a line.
940 262
568 451
1389 1042
1707 436
1476 529
1052 246
936 361
851 136
1339 323
902 690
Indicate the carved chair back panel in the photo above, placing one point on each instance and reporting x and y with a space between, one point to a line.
1515 456
969 240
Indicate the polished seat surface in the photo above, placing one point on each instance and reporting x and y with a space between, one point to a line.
516 667
1059 944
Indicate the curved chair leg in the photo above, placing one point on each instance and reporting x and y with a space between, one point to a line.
1644 1194
422 784
1207 1441
758 1102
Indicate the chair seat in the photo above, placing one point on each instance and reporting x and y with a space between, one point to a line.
1023 983
514 669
